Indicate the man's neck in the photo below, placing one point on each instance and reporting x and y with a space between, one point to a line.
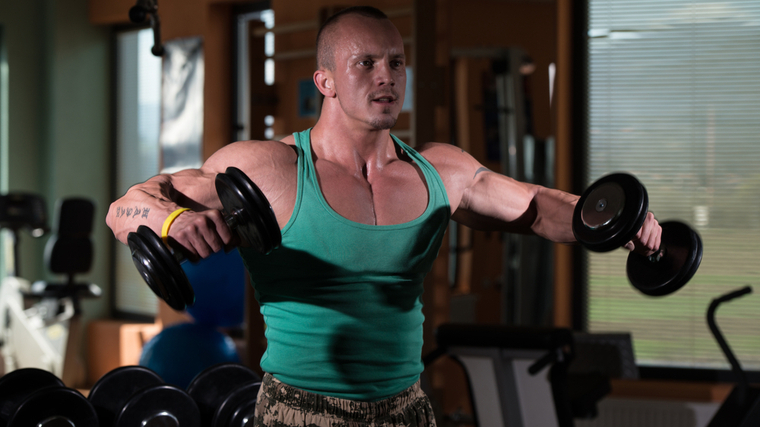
356 149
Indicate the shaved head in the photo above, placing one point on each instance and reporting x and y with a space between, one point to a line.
327 33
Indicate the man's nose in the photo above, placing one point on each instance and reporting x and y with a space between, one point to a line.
385 75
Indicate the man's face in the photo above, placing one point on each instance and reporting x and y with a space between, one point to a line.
370 71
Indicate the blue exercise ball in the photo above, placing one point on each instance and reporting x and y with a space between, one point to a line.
180 352
219 285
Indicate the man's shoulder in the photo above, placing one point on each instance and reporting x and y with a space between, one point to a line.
455 166
282 147
441 154
253 154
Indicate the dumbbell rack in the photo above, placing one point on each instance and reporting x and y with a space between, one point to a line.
223 395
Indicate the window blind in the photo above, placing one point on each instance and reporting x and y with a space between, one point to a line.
674 98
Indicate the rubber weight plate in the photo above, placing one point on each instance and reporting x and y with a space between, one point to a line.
160 269
212 386
252 215
16 386
55 407
239 408
610 212
112 391
682 255
160 406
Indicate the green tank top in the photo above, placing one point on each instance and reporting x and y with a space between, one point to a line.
342 300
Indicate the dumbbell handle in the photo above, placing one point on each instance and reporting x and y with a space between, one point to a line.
231 218
658 255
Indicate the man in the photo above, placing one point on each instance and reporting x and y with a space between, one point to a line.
362 218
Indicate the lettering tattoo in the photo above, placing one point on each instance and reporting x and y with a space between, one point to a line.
132 212
481 169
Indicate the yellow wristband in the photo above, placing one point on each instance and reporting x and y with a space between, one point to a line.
168 223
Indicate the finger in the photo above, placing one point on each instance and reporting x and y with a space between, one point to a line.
648 238
659 237
223 231
649 232
654 234
630 245
196 236
210 235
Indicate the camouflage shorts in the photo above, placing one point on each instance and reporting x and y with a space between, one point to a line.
280 405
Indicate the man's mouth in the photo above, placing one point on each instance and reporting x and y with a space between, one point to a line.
387 99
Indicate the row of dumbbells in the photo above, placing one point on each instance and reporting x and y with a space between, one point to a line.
133 396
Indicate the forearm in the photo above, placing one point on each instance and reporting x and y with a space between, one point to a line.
554 214
148 203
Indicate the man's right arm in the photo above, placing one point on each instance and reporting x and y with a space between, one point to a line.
202 230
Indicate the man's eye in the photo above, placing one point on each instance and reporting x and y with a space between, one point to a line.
366 63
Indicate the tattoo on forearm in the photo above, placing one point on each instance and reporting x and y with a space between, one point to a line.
482 169
132 212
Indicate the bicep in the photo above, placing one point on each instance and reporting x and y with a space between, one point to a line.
259 160
480 198
496 202
195 189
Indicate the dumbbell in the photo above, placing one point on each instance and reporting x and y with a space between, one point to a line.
610 213
246 211
226 395
33 397
135 396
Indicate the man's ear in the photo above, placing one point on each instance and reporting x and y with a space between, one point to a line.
325 83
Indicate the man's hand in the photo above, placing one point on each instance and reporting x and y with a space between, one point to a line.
201 234
647 240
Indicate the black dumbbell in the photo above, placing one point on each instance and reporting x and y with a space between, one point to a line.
33 397
246 210
226 395
135 396
610 213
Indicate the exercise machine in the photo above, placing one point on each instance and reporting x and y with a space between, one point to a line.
524 376
46 335
742 406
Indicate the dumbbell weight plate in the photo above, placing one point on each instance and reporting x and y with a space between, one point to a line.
160 269
16 386
238 408
681 259
162 405
112 391
255 220
55 407
211 387
610 212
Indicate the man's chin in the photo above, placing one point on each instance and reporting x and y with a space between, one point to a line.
384 123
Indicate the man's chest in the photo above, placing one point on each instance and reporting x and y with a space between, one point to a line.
395 195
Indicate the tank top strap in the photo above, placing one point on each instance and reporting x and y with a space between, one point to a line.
436 188
307 171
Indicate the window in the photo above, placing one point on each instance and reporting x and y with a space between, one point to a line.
673 99
138 120
5 242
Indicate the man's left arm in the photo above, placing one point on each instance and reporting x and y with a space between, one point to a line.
496 202
485 200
